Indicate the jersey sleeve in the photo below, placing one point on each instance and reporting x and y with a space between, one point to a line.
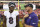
17 13
34 21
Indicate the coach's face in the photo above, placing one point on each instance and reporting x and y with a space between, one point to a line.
28 9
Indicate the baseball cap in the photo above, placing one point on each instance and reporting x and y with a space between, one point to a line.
12 4
29 5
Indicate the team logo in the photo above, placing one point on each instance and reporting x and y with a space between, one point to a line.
33 23
29 17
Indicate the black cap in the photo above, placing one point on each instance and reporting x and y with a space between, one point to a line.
12 4
29 5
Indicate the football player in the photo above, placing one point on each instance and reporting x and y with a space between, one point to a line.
12 16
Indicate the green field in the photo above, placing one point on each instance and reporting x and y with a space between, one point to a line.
22 6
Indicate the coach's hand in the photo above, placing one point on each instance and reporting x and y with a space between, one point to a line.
26 15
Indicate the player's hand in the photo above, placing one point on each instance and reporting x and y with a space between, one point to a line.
26 25
23 21
26 15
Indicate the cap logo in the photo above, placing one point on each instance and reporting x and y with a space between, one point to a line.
12 5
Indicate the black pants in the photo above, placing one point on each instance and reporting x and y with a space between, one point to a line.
17 25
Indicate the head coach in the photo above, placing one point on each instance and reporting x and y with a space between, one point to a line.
30 19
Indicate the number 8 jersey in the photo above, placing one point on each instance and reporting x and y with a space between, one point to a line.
11 18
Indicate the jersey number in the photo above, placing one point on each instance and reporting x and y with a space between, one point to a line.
11 20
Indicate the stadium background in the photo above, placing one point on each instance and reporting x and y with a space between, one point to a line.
21 6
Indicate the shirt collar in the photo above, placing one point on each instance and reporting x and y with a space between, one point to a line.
31 13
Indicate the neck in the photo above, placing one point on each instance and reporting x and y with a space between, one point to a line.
30 12
10 11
